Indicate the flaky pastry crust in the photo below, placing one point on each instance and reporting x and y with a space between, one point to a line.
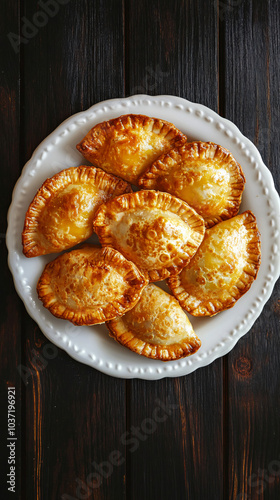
61 214
203 174
156 327
90 285
223 269
126 146
155 230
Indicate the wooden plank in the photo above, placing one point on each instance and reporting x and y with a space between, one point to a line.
75 415
10 323
166 53
170 456
253 406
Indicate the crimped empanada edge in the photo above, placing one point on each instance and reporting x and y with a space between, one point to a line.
153 199
136 283
127 338
214 306
50 187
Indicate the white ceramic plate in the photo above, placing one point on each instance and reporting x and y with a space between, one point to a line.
92 345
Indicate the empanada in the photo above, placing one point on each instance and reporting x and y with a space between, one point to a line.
61 214
155 230
127 145
203 174
156 327
90 285
223 269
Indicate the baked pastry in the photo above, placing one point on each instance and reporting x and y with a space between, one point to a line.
203 174
127 145
223 269
155 230
156 327
90 285
61 214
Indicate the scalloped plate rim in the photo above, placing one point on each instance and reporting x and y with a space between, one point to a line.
198 363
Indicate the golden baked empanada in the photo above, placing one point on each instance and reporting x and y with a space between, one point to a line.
156 327
156 231
127 145
223 268
90 285
61 214
203 174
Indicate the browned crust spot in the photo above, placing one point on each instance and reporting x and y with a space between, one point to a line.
100 258
96 145
33 240
152 199
212 306
152 177
170 352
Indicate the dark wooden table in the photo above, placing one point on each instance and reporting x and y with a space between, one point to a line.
219 435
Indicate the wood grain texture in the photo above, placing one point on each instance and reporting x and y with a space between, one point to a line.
168 55
10 317
167 50
75 416
253 371
173 457
212 435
